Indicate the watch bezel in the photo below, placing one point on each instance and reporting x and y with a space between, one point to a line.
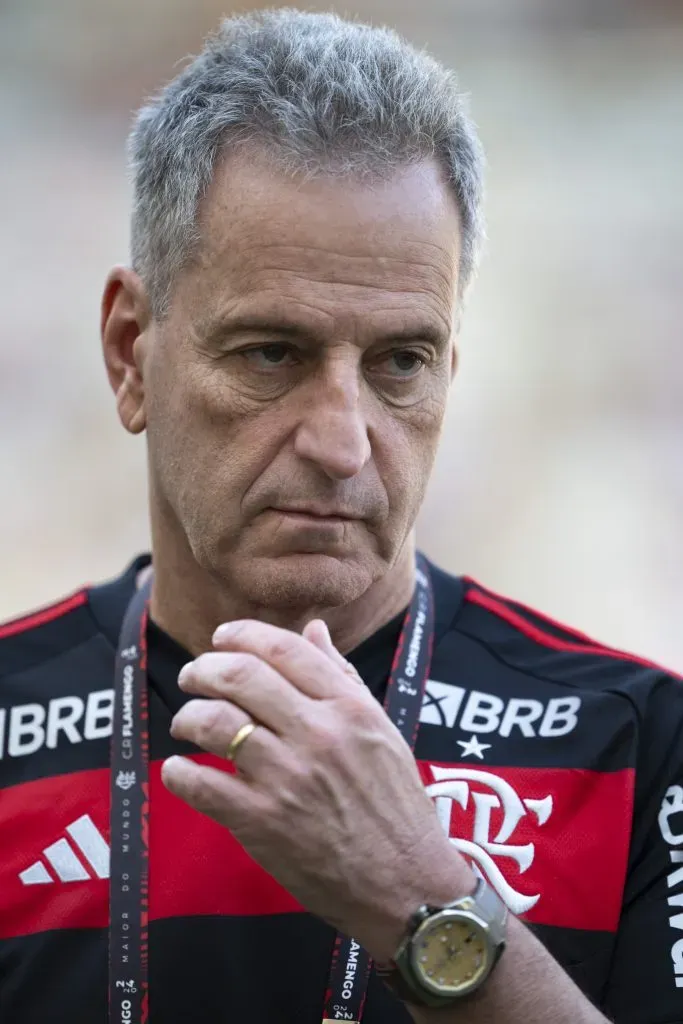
433 923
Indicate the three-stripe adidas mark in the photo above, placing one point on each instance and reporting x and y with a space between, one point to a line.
63 860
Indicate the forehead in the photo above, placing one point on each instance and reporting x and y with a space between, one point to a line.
330 241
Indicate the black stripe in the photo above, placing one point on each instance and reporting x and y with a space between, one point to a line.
221 969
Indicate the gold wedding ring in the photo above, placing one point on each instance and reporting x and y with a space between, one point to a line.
243 733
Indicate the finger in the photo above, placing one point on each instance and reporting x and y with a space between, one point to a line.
219 794
296 658
317 633
213 724
250 684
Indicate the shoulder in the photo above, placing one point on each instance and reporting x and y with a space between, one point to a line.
46 635
56 683
529 641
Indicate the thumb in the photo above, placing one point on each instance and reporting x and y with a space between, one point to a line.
317 633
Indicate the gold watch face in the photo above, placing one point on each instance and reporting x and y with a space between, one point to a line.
451 955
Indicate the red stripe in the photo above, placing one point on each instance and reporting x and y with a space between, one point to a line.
575 861
49 614
196 867
588 646
505 599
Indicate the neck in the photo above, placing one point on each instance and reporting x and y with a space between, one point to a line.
189 604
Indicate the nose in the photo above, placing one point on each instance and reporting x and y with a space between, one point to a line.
333 431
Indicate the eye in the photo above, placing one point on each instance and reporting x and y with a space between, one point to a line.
269 356
404 362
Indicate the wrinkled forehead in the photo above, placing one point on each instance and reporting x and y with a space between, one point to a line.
258 226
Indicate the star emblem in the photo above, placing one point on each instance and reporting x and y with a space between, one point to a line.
473 748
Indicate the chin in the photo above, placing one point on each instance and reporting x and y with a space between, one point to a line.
303 581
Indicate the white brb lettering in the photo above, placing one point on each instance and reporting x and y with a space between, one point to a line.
478 712
99 713
72 708
26 733
25 728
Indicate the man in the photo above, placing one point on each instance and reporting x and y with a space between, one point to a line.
306 220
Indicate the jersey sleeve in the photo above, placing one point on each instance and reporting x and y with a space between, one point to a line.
646 978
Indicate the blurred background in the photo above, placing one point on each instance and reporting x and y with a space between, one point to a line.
560 479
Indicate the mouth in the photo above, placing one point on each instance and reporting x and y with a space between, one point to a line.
307 514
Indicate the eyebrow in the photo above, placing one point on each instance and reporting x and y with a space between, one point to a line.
255 323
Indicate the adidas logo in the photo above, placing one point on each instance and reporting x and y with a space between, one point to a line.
63 860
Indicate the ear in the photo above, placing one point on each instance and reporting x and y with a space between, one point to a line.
125 319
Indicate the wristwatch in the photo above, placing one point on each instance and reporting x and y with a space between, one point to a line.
448 952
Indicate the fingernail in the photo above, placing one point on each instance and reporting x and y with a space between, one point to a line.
171 766
222 633
184 673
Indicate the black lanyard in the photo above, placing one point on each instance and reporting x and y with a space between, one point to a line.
129 865
129 882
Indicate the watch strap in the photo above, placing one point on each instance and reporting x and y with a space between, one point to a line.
395 979
491 908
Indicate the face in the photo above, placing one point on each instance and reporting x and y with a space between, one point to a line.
294 396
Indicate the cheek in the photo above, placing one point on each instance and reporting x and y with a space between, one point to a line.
193 450
181 437
212 423
233 443
405 453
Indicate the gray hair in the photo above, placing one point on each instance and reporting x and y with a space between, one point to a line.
321 95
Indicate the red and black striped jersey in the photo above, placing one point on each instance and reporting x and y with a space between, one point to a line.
555 766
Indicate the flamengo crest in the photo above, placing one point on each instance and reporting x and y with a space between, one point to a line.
453 787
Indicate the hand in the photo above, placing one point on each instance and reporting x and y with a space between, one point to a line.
327 797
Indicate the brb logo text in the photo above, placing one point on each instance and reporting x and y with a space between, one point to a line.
477 712
455 787
25 728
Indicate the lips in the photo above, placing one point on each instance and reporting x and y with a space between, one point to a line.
316 513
